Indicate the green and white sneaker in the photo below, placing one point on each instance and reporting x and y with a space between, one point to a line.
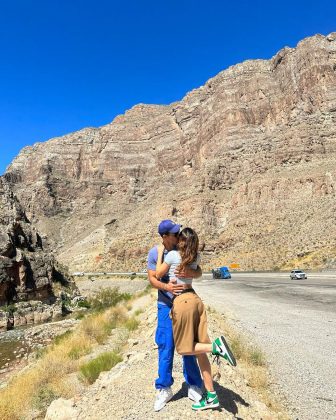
221 348
209 400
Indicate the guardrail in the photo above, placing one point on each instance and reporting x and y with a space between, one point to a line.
123 274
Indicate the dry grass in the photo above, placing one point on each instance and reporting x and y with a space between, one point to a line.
34 389
253 363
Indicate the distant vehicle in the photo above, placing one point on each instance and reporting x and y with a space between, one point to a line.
78 273
297 274
221 273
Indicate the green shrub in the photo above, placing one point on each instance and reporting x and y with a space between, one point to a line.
40 352
79 315
84 304
138 312
62 336
105 361
132 324
43 398
9 308
107 298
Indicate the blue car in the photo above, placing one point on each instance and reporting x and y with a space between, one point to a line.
221 273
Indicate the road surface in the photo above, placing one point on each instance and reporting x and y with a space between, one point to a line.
294 322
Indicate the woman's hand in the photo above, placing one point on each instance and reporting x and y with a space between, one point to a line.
160 269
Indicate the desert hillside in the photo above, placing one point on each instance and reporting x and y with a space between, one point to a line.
248 160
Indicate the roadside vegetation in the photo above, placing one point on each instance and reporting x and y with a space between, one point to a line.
52 374
253 363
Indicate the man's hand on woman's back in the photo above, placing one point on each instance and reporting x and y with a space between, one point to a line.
174 288
188 273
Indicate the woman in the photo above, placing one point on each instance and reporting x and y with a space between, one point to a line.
189 316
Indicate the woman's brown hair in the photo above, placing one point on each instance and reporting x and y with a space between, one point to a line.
188 247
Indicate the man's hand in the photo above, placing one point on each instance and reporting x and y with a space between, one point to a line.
188 273
174 288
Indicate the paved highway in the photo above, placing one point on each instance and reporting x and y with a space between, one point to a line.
294 322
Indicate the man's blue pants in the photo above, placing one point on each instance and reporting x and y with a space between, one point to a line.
165 341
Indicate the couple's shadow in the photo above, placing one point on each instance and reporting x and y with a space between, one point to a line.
227 399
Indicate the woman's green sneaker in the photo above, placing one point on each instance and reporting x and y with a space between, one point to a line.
221 348
209 400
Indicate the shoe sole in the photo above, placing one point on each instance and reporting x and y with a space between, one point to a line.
232 360
206 408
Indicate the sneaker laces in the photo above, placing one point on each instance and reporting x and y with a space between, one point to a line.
204 396
216 359
163 392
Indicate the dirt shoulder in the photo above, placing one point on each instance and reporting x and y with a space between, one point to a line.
127 391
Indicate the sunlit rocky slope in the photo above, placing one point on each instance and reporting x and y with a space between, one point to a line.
248 160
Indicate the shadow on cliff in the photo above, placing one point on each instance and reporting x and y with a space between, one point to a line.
228 399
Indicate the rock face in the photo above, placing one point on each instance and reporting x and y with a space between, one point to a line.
248 160
27 270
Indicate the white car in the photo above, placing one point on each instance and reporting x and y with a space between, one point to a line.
297 275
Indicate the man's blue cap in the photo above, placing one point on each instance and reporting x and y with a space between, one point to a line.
168 226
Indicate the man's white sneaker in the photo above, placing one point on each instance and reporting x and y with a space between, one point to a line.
162 397
194 393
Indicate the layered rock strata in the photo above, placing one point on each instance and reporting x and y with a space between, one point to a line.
248 160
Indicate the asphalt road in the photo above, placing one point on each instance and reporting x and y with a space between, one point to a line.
294 322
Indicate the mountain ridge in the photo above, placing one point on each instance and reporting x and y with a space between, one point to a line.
247 159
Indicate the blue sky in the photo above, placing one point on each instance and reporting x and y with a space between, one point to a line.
69 64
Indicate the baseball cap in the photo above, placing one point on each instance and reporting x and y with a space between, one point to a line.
168 226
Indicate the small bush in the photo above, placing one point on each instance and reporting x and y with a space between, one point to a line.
138 312
132 324
107 298
99 326
91 370
62 336
9 308
256 357
39 353
84 304
77 346
43 398
244 351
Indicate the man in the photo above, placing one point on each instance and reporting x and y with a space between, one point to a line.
169 231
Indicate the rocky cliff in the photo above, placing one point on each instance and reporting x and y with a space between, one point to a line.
248 160
28 271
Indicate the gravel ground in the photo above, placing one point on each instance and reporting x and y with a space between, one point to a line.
294 324
127 391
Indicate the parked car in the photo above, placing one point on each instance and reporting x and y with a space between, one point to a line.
297 274
221 273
